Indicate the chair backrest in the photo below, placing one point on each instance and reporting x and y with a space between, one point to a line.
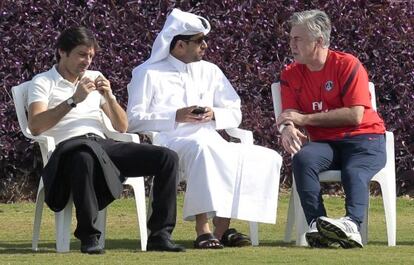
277 99
20 103
371 88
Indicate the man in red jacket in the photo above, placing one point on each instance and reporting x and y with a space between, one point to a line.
326 93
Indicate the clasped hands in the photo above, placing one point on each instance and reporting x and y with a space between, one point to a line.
87 85
187 115
292 137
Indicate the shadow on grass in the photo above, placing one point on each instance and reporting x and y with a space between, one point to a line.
385 243
292 244
24 247
189 244
273 243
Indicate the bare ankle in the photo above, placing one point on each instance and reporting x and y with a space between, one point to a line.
202 226
220 226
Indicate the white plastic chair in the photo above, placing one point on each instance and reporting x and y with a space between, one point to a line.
63 218
385 177
245 137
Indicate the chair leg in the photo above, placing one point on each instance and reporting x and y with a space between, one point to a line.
101 225
139 192
301 224
290 220
149 209
63 220
301 227
38 217
254 233
389 201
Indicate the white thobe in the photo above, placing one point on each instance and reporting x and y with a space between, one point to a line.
229 180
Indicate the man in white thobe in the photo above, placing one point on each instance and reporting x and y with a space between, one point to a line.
224 180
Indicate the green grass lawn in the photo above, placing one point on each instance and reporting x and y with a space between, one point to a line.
122 243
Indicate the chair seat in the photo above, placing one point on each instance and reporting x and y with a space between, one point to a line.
330 176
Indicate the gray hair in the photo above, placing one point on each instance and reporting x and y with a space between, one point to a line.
316 21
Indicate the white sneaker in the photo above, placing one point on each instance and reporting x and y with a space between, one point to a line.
343 230
316 239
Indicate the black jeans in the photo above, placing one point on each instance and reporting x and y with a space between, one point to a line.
132 160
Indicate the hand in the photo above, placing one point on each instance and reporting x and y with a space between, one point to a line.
103 86
85 86
292 116
292 139
208 115
186 115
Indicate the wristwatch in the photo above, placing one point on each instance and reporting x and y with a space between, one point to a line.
282 126
71 102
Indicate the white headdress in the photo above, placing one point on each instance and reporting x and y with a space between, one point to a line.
177 23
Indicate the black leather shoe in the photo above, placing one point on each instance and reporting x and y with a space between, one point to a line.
91 246
162 244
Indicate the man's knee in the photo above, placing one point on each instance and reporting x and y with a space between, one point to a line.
81 167
82 157
168 157
303 160
357 177
306 167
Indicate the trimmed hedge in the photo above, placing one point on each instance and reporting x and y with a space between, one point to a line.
249 41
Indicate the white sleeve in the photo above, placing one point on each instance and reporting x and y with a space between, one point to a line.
226 106
39 90
140 95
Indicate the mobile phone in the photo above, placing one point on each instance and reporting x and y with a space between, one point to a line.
199 110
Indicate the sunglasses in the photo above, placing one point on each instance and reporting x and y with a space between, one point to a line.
198 41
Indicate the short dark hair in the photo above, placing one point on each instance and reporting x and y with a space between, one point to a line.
74 36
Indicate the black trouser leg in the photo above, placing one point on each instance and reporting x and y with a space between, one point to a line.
82 168
135 160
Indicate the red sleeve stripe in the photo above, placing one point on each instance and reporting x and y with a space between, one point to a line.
283 82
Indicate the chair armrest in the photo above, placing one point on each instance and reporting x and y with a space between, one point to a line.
41 139
389 138
46 143
245 136
390 149
123 137
151 135
46 140
110 132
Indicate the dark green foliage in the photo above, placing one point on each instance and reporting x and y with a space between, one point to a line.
249 41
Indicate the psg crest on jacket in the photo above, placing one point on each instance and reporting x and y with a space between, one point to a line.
328 85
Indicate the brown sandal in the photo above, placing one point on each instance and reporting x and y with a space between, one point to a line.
207 241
